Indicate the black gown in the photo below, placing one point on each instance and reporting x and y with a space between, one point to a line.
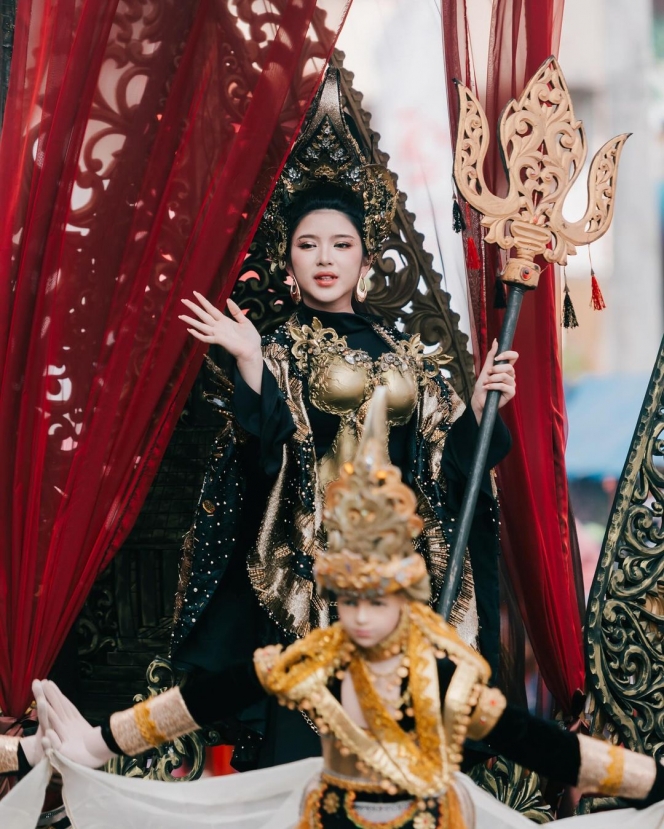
233 624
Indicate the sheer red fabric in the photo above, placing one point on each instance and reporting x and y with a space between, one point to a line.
140 142
532 479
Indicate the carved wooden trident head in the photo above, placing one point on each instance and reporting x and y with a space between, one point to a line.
543 148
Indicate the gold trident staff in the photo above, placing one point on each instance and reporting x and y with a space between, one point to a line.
543 148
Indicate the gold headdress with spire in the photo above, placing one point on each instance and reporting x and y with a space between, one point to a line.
326 151
371 520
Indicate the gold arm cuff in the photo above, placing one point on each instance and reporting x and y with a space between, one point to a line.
8 754
613 771
152 722
489 709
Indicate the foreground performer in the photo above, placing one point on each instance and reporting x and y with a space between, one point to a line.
300 398
392 689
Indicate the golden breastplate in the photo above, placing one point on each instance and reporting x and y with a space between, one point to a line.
341 384
342 380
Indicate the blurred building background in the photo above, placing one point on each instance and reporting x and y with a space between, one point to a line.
612 54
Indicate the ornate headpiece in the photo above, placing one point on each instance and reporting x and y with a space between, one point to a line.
371 520
327 151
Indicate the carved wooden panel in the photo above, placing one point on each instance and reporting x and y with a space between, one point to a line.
625 619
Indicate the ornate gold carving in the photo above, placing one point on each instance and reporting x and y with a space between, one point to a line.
624 620
544 149
349 573
326 151
371 519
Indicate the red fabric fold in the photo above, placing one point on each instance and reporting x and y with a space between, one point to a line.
532 479
139 145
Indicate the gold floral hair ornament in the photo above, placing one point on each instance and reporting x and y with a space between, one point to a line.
371 520
326 151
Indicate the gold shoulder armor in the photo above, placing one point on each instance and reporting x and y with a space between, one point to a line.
283 673
445 639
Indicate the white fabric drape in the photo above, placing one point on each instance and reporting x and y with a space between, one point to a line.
265 799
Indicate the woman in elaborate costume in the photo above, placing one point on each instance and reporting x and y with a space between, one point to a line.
299 402
392 689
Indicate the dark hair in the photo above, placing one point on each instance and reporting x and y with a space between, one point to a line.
326 196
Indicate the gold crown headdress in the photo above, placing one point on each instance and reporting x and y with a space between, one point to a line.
371 520
327 151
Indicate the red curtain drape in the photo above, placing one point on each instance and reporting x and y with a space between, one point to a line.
140 141
532 479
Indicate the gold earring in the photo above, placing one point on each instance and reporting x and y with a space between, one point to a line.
361 289
296 296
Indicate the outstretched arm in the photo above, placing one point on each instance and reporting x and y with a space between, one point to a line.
593 766
148 724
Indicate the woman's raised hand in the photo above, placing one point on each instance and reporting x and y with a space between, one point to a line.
237 334
66 729
497 375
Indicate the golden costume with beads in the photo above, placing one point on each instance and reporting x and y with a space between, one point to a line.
371 521
393 749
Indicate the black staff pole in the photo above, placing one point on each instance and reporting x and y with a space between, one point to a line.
455 562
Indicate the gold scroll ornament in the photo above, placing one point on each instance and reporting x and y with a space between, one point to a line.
544 148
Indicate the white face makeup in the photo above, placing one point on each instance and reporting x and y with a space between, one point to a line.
326 259
368 621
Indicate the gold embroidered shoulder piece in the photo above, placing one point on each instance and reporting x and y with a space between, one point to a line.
420 763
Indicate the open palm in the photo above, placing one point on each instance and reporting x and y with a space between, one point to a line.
236 333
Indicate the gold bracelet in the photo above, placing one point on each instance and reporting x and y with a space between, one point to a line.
8 754
489 709
147 726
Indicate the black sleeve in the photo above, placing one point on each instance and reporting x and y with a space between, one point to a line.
265 415
212 697
536 744
458 456
543 747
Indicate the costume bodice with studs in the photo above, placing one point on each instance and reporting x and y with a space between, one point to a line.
341 381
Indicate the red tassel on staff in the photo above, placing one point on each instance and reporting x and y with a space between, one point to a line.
596 298
472 256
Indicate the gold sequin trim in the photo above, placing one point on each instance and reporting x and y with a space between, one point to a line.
289 598
351 783
310 817
396 823
8 754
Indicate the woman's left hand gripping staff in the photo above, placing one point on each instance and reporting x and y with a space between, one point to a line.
66 730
